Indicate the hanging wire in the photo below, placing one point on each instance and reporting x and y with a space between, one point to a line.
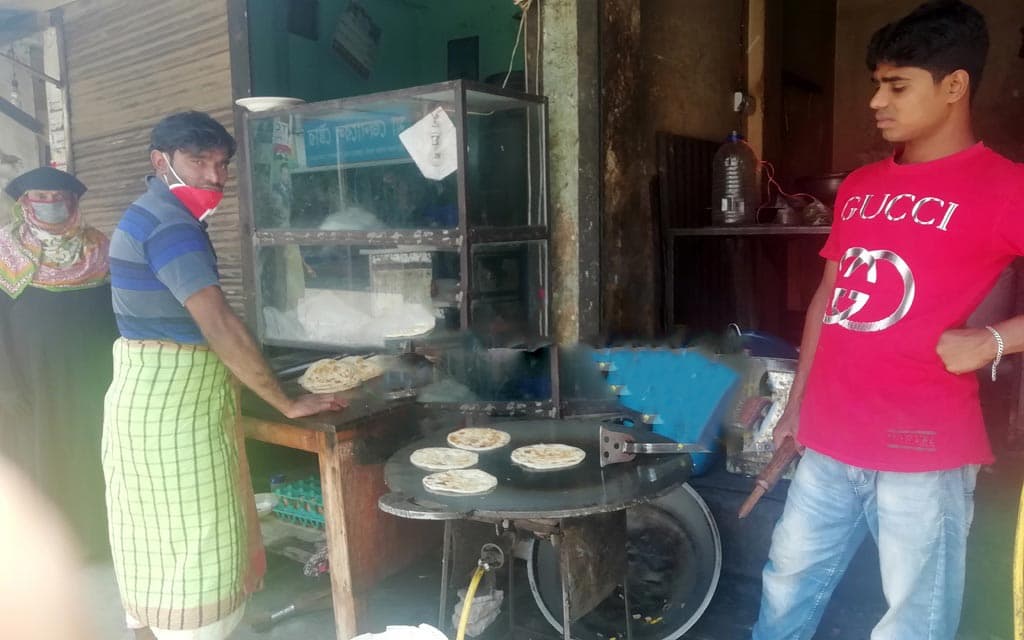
526 52
523 34
524 5
769 171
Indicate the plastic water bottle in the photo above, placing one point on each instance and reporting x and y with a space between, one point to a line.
735 192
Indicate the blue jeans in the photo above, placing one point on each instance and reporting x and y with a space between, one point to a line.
920 522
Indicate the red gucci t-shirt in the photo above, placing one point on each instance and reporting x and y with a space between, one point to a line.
918 247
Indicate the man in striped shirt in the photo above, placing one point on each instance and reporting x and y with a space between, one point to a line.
178 494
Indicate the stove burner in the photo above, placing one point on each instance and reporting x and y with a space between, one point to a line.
658 553
674 556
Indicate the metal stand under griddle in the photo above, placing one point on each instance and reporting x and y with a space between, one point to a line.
565 506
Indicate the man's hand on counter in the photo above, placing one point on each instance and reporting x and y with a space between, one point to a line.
312 404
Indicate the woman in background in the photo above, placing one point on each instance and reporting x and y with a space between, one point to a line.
56 332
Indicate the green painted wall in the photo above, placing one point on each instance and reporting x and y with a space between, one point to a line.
494 21
412 51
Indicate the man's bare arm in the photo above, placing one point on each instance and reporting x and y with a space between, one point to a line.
789 423
966 350
229 338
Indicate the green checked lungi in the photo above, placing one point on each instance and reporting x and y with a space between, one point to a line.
170 459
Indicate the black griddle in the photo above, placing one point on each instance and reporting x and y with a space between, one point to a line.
585 489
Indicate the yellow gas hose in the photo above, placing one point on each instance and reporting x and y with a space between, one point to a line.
468 602
1018 574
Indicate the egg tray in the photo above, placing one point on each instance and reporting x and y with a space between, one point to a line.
301 502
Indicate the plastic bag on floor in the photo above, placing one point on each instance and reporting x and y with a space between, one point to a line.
405 632
482 612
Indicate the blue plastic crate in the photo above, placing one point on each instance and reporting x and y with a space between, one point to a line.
684 388
301 502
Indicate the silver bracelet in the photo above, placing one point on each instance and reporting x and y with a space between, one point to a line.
999 349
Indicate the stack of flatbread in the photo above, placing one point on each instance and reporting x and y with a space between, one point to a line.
461 482
545 457
479 439
368 368
443 458
330 375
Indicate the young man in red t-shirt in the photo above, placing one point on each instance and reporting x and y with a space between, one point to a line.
885 400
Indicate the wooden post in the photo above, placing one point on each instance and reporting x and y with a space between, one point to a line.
757 16
345 612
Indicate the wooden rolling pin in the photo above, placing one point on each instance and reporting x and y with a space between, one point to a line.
769 477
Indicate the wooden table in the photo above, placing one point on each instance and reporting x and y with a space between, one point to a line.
363 544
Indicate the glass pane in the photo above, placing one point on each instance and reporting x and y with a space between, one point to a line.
347 169
506 173
355 296
476 374
509 291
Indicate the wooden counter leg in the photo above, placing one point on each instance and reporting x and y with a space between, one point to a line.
331 456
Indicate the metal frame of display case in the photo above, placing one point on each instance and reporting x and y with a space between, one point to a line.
463 238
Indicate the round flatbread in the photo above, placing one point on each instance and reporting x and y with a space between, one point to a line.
544 457
478 439
330 376
461 482
443 458
366 368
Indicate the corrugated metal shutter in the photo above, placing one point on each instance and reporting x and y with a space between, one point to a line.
129 64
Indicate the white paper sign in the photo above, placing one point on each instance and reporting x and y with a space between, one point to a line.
432 144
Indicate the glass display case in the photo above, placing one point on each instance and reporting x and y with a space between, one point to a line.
396 215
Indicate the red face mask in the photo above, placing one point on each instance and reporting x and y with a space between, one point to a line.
200 202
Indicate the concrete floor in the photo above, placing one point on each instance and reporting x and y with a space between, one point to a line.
411 597
109 617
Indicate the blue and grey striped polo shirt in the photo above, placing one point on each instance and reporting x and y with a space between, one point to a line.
159 256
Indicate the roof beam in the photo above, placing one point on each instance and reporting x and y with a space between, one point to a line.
35 72
9 109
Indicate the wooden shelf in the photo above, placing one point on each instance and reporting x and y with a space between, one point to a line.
753 230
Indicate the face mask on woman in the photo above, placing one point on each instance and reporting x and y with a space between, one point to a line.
50 212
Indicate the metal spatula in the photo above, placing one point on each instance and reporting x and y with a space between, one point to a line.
617 446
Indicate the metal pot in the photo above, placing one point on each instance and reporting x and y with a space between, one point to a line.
822 187
788 215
